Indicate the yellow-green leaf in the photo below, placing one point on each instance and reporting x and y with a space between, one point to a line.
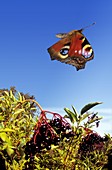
89 106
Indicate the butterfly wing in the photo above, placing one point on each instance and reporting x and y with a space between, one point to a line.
74 49
61 35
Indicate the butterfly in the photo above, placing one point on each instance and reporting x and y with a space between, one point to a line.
73 49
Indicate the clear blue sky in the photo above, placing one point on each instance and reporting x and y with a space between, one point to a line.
28 28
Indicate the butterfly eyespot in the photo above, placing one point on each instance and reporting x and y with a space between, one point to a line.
63 54
64 51
88 48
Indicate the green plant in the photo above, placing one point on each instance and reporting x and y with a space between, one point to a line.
30 139
16 126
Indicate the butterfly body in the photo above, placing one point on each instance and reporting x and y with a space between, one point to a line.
73 49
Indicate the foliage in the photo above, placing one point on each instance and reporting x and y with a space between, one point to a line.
31 140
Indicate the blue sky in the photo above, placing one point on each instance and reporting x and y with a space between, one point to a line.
28 28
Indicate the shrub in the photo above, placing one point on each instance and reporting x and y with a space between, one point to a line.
30 139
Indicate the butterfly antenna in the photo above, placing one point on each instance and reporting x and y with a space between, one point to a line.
88 26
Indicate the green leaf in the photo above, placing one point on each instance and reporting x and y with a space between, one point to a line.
3 136
84 116
72 116
20 97
1 118
74 109
7 130
19 111
89 106
7 93
12 96
10 151
75 113
66 116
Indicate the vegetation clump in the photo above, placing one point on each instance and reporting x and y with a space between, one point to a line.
32 138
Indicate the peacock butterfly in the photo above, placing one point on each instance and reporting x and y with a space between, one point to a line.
73 49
